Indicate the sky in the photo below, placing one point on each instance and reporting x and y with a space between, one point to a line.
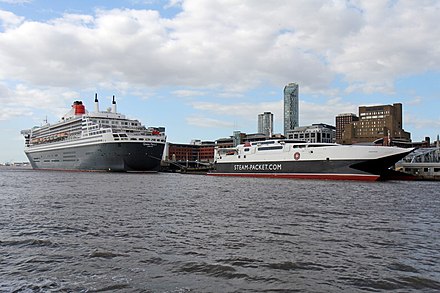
204 69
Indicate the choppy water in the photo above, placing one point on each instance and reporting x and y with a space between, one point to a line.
96 232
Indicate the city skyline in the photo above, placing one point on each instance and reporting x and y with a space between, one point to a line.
205 69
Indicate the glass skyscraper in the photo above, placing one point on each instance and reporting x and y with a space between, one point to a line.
265 123
291 117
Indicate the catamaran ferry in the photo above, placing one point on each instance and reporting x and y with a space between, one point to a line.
95 141
302 160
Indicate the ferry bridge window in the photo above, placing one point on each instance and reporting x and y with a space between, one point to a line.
270 148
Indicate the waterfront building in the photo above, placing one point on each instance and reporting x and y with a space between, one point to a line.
291 108
265 123
254 137
377 122
224 142
239 137
199 151
341 121
314 133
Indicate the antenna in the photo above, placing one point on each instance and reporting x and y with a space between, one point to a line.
96 103
114 105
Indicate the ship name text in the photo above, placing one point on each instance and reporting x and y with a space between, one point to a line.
258 167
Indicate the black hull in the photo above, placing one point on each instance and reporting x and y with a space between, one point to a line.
368 170
117 156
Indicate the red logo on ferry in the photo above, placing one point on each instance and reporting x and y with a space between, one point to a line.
296 156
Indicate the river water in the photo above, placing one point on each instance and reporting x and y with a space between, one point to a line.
113 232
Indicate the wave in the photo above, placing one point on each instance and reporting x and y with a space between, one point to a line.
216 270
105 254
28 242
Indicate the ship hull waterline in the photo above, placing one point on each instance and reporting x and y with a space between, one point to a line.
113 156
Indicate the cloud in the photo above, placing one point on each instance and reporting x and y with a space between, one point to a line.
422 123
188 93
228 47
244 110
24 101
9 19
310 112
16 1
205 122
326 112
415 101
8 112
395 41
207 44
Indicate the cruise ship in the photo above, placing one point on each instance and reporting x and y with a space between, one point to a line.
302 160
95 141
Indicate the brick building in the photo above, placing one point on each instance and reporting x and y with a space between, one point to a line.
341 121
376 122
201 152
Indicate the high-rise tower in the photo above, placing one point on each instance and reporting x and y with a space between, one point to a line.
291 117
265 123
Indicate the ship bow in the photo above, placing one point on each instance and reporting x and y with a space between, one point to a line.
381 166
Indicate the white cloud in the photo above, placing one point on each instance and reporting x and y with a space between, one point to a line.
16 1
23 101
188 93
8 112
235 45
397 40
205 122
310 112
324 112
9 19
415 101
229 46
411 121
244 110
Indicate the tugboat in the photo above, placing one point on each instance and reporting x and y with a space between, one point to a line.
95 141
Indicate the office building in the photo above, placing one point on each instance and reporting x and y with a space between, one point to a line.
314 133
377 122
341 121
265 123
291 108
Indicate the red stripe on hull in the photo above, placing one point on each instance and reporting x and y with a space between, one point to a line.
355 177
84 170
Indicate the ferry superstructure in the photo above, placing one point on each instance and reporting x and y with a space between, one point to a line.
302 160
95 141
